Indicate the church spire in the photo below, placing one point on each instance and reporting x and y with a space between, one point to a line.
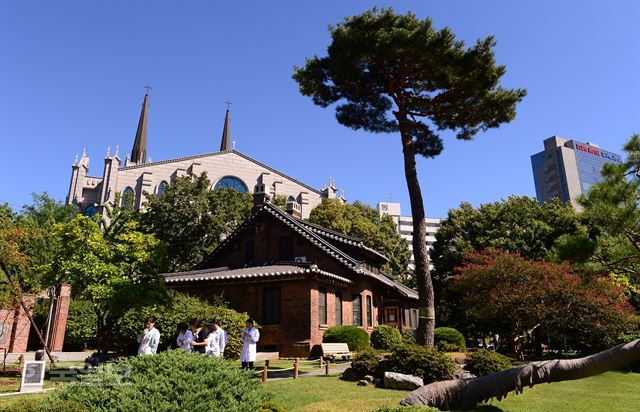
139 151
225 144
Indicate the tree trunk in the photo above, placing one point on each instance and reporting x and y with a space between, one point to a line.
467 393
18 291
427 313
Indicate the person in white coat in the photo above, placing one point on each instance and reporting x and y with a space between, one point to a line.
215 340
149 338
185 336
250 336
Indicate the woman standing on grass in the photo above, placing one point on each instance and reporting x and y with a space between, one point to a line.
149 338
250 336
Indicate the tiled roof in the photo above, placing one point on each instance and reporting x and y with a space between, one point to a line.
305 230
225 273
349 240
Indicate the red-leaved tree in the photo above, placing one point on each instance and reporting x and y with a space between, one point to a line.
550 303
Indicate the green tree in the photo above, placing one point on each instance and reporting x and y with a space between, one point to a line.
191 219
364 222
115 273
612 212
395 73
518 224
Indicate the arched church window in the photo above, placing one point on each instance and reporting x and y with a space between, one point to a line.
161 188
128 198
291 199
231 182
90 210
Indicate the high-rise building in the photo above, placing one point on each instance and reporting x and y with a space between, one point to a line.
566 169
404 224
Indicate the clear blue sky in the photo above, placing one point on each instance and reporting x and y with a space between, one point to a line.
72 76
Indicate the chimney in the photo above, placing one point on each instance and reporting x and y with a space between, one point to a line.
260 196
294 209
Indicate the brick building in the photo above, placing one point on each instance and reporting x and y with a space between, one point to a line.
298 279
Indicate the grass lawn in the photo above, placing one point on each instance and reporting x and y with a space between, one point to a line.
610 392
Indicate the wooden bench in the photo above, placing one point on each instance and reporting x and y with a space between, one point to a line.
334 350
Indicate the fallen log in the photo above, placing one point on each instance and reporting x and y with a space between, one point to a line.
467 393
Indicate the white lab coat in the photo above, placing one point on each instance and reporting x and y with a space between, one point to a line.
184 340
149 340
250 336
215 343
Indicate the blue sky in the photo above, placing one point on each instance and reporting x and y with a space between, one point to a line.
72 76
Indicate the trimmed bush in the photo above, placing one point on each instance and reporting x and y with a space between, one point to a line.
81 326
365 363
385 337
271 406
169 381
409 335
444 346
43 405
450 335
484 362
429 364
355 337
182 308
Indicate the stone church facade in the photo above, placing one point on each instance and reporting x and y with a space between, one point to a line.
225 168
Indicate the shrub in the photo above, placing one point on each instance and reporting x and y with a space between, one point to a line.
450 335
409 335
271 406
444 346
81 326
168 381
355 337
182 308
365 363
385 337
429 364
484 362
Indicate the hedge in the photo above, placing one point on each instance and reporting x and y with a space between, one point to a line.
484 362
385 337
427 363
182 308
451 336
355 337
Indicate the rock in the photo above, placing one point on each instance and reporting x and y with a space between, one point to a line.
349 375
369 378
362 382
460 361
467 375
393 380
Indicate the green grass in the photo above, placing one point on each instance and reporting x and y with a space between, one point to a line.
610 392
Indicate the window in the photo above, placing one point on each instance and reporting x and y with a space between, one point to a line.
285 248
369 312
338 308
249 251
271 305
90 210
357 310
162 187
322 305
231 182
128 198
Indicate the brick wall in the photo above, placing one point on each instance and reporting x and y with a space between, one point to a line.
59 317
15 325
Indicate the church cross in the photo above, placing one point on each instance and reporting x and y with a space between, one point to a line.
147 87
228 103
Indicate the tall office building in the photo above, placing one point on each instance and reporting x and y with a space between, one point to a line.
566 169
404 225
